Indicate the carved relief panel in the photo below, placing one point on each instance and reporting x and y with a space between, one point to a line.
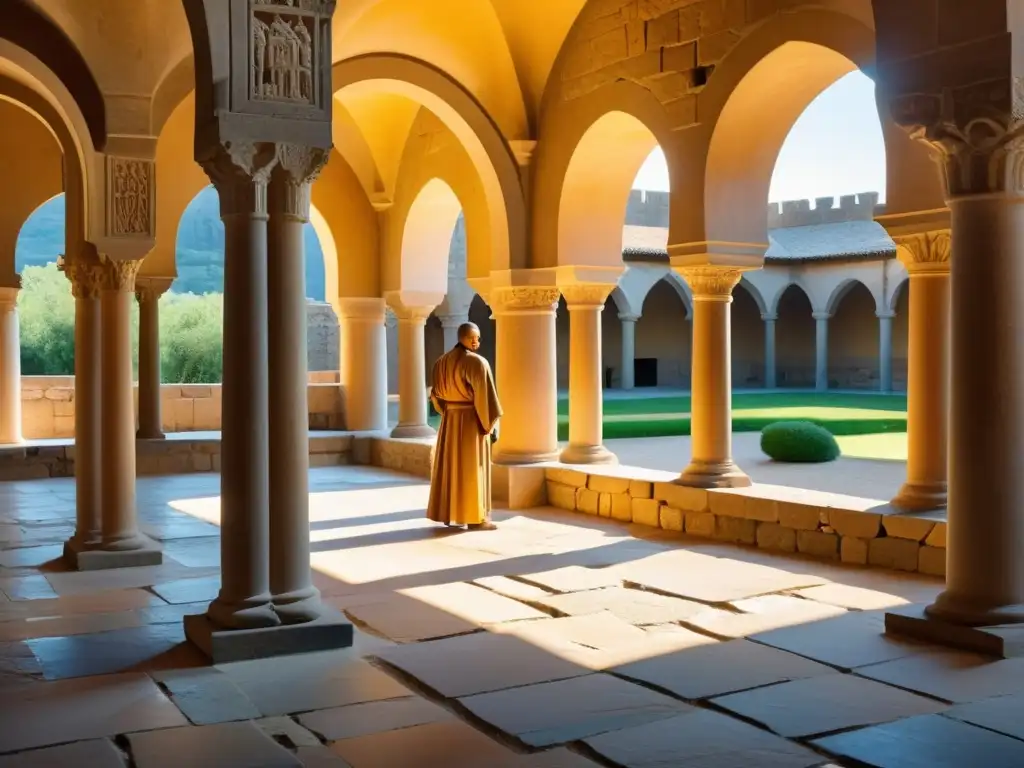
130 199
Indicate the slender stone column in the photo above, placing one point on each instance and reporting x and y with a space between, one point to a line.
84 273
526 374
586 407
10 366
712 465
770 377
148 292
628 350
821 351
241 174
295 598
412 373
885 351
450 324
364 363
926 257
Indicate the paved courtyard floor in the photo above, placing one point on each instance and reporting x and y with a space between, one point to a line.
557 641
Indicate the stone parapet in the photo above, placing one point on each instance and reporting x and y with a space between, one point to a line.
826 526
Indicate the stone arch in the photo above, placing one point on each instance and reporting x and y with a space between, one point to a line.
663 343
795 344
755 294
464 116
681 288
853 339
756 95
899 287
900 334
427 238
588 155
842 289
177 84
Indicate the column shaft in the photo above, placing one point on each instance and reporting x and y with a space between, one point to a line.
586 407
364 364
885 353
295 598
821 352
150 416
526 374
628 351
412 374
10 368
711 465
770 377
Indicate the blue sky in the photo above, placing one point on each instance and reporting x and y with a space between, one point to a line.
834 148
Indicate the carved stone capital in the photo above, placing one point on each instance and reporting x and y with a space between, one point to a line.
240 171
297 168
9 297
821 316
927 252
628 317
769 317
524 300
131 198
120 275
151 288
711 283
361 308
977 135
584 296
84 271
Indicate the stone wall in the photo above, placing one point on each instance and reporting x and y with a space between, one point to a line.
323 337
826 526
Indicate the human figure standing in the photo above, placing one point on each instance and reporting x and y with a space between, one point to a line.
463 393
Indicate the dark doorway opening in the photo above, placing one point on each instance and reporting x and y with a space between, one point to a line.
645 372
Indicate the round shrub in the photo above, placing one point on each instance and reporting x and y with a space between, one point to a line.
799 442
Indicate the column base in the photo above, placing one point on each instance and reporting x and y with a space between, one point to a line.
92 556
298 607
916 622
330 631
921 497
702 474
412 431
588 454
515 459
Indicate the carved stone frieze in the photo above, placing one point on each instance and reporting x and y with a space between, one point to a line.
925 252
130 198
290 183
977 135
524 299
288 47
241 172
582 296
711 282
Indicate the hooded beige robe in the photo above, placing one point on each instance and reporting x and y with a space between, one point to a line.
460 482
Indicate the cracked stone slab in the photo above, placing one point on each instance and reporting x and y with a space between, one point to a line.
819 705
721 668
1001 714
574 578
851 598
700 739
955 676
373 717
762 614
206 695
568 710
210 746
97 753
635 606
517 590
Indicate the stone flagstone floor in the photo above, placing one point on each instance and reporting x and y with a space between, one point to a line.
558 641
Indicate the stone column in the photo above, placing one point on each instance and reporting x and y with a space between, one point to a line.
412 373
450 324
926 257
711 465
526 373
821 351
148 292
241 175
586 407
10 366
295 598
83 271
885 351
364 363
770 379
628 350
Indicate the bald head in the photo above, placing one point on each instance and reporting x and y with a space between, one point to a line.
469 336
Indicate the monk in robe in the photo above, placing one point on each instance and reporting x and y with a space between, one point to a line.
463 393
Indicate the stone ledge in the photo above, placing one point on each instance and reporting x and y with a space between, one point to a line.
828 526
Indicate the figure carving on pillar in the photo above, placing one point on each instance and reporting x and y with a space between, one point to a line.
463 393
130 197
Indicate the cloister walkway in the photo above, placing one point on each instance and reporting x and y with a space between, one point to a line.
559 641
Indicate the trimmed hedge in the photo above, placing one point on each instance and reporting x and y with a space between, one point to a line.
799 442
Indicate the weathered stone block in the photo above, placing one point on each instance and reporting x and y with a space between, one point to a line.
700 523
907 527
775 536
682 497
854 550
610 47
744 504
561 496
604 505
818 544
571 477
937 538
636 37
736 529
622 507
587 500
672 519
713 48
60 394
604 484
849 522
801 517
641 489
932 561
682 112
898 554
721 15
680 58
646 512
663 31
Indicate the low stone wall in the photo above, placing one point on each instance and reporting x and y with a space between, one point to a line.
48 405
413 456
823 525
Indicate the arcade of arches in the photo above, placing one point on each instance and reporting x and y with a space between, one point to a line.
382 122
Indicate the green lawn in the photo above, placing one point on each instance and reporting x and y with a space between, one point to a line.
841 414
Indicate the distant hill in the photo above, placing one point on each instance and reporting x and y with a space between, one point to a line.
200 256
